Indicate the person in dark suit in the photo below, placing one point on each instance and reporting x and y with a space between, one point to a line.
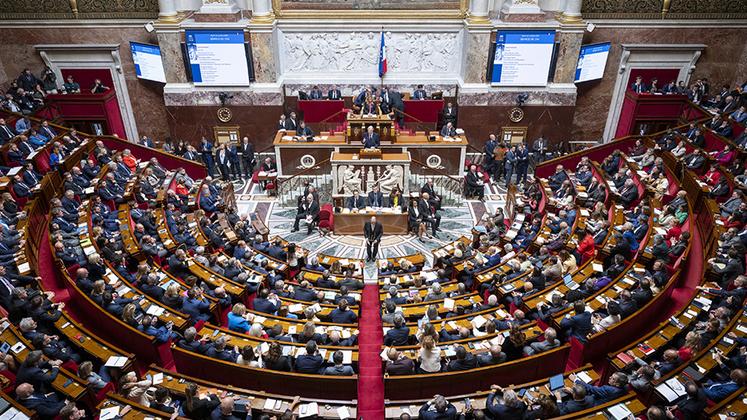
291 123
316 93
356 202
474 185
309 210
399 335
206 152
303 132
694 160
448 130
579 400
334 94
419 93
578 325
20 189
372 231
433 198
6 133
450 114
616 387
224 162
311 362
438 409
47 406
463 360
638 86
692 407
370 139
508 407
247 156
32 371
629 193
428 214
376 197
398 363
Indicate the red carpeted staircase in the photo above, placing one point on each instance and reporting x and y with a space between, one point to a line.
370 339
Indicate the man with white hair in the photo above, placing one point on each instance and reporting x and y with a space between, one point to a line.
309 210
45 405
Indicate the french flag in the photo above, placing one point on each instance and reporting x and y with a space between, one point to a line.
382 57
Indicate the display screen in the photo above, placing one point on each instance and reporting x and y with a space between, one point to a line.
522 58
148 62
591 62
217 58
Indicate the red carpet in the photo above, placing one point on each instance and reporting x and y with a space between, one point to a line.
370 339
48 273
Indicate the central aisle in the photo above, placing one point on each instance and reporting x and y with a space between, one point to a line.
370 339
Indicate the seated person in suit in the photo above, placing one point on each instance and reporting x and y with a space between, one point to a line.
448 130
638 86
309 210
45 405
398 363
303 131
370 139
694 160
370 107
356 202
474 185
333 93
579 324
615 388
316 93
437 408
375 197
419 93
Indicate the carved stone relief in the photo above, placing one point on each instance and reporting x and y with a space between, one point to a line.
351 52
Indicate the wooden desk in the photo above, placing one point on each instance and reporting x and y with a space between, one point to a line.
352 223
288 153
177 383
358 124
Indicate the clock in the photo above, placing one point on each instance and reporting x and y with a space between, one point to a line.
516 114
224 114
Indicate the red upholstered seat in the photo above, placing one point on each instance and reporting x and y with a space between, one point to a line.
326 217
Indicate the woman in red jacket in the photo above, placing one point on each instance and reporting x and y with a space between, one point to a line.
586 247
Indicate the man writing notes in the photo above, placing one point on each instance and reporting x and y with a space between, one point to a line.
375 198
370 139
356 202
372 231
448 130
303 132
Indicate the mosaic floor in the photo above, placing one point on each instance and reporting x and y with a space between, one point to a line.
455 222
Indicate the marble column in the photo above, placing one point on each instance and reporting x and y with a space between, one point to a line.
478 11
572 12
169 40
262 11
477 47
570 38
264 54
167 10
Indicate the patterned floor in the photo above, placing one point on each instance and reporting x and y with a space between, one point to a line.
455 222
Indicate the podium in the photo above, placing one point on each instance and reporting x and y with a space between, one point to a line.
382 124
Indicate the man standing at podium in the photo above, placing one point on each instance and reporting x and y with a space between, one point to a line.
372 231
370 139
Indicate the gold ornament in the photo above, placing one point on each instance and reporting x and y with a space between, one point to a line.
516 114
224 114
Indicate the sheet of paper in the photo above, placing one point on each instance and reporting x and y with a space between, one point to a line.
109 413
343 413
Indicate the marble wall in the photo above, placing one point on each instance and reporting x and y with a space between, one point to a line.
370 4
724 61
18 52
